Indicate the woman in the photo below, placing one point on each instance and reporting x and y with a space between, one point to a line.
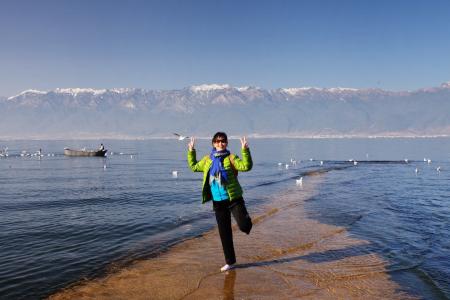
220 184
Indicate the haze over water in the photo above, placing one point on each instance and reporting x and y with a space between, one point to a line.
63 219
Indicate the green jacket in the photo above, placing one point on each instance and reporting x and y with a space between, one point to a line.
233 187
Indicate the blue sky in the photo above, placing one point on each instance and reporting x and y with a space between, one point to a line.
394 45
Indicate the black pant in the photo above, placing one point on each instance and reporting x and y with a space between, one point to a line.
223 210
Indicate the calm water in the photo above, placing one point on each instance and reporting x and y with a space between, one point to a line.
63 219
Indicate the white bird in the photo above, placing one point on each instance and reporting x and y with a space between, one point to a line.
299 181
131 156
438 169
429 161
321 162
180 137
310 159
4 152
355 163
280 164
286 166
416 170
424 159
406 160
175 174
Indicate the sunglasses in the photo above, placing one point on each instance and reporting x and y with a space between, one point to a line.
220 141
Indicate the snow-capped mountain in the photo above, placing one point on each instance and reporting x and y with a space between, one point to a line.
202 109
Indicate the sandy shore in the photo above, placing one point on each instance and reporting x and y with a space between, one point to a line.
286 256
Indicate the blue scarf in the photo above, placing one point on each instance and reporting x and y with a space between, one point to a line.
217 164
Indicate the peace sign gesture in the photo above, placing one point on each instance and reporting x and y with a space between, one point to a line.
244 143
191 145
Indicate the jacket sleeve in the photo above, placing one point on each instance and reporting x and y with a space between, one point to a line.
245 163
194 165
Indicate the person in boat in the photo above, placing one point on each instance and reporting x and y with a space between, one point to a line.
220 184
101 148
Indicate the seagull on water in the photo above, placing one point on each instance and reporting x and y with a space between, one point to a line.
180 137
175 174
299 181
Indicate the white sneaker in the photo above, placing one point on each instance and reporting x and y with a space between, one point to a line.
226 268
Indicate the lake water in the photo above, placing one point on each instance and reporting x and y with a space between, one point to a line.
64 219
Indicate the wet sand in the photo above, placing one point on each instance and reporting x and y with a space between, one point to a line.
286 256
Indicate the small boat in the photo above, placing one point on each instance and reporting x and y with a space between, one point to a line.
71 152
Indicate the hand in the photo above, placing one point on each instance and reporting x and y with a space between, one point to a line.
244 143
191 145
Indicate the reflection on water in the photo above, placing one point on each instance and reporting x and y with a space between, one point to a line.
228 285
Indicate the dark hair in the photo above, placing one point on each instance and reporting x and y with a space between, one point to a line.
219 135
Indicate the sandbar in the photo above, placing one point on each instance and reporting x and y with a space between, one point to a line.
286 256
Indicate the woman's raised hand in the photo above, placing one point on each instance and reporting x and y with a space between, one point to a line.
244 142
191 145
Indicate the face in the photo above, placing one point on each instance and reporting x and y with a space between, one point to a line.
220 144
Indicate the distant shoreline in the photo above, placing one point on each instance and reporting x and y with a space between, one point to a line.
252 136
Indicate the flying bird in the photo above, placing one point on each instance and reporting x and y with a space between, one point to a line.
180 137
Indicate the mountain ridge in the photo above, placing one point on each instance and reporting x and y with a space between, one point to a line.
204 109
